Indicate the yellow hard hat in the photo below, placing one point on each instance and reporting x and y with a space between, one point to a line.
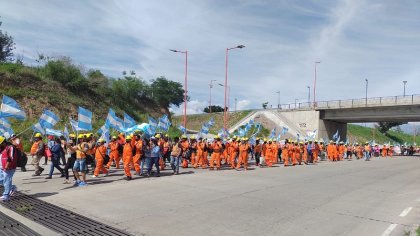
72 136
265 140
2 139
192 137
101 140
331 141
183 136
217 137
114 137
128 137
157 136
38 135
300 142
257 139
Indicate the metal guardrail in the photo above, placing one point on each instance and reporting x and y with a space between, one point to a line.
354 103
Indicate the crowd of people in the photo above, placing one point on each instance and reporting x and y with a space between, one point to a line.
137 155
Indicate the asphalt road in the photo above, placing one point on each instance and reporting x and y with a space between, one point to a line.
342 198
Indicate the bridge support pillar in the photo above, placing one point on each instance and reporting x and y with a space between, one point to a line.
328 128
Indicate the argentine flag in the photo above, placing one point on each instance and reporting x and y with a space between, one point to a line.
284 130
152 121
6 132
128 121
38 128
204 129
183 129
85 119
5 123
48 119
114 121
74 125
11 109
53 132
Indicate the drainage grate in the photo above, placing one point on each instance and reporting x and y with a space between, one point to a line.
9 226
58 219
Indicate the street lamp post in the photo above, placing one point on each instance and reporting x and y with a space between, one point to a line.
185 83
309 96
317 62
211 86
405 82
278 100
367 83
226 84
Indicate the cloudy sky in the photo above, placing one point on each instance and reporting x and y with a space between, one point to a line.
354 40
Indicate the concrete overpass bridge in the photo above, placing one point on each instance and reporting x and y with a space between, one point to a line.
329 116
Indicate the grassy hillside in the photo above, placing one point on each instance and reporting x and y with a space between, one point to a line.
359 134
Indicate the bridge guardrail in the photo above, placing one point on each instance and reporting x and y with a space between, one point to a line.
354 103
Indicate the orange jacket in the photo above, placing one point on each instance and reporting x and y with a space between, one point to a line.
100 152
127 151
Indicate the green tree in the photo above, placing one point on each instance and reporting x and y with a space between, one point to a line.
213 109
6 46
166 93
383 127
264 105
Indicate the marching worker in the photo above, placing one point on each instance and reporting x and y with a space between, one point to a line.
128 157
37 152
114 155
155 155
19 145
285 153
139 146
8 164
71 150
80 165
257 151
234 149
176 155
366 151
217 147
56 151
244 149
200 153
185 150
100 154
193 151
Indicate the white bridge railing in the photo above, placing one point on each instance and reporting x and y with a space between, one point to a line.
354 103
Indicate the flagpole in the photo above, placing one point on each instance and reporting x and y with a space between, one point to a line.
24 131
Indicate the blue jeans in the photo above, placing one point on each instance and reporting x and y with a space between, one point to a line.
80 165
144 164
55 163
175 163
7 182
366 156
155 161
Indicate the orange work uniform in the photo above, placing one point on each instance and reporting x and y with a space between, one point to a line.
285 154
185 146
139 154
99 157
243 155
128 159
114 155
215 156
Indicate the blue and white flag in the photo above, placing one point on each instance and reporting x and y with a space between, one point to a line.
183 129
113 121
241 132
338 139
298 137
105 136
247 127
335 136
5 123
85 119
312 134
258 127
252 140
204 129
128 121
10 109
164 123
251 122
48 119
66 133
278 137
74 125
56 133
273 133
6 132
150 130
103 129
152 121
211 122
284 130
38 128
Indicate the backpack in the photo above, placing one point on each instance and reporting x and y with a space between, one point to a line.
22 158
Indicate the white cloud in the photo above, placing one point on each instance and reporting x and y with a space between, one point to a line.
193 107
243 104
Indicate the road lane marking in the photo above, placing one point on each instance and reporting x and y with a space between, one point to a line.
389 229
406 211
